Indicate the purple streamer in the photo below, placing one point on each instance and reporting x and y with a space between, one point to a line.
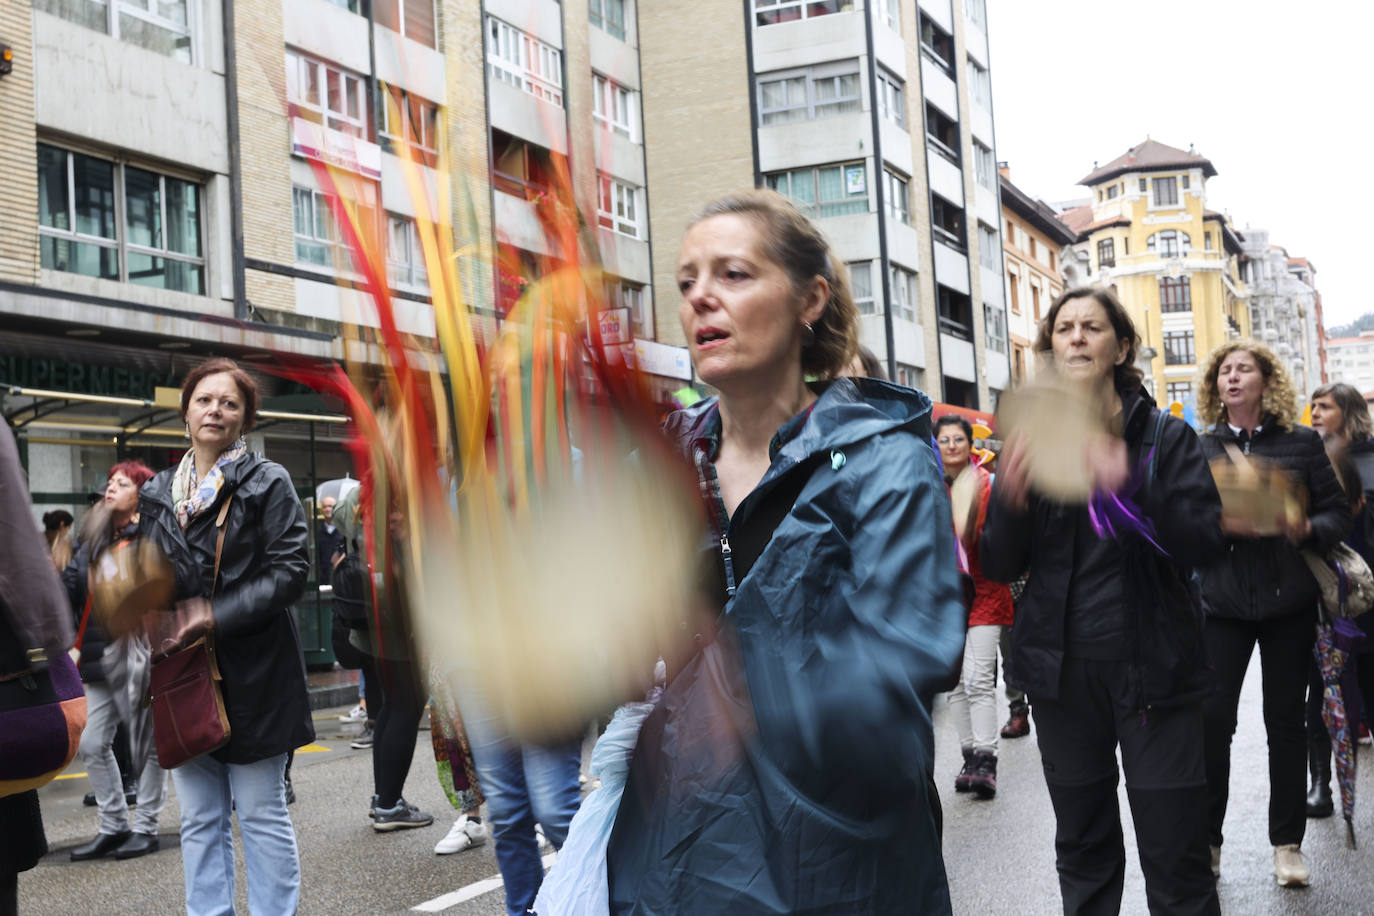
1116 516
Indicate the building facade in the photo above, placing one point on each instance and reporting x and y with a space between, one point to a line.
1351 360
1174 264
1033 244
875 116
1283 304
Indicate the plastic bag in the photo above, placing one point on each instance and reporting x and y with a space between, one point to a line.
576 885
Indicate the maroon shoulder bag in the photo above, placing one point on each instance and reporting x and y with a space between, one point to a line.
189 719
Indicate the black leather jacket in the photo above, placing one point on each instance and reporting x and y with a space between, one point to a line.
1163 624
1264 578
264 567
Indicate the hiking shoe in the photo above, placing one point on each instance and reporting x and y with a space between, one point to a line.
1289 868
364 740
465 833
402 817
1018 726
964 781
984 779
356 714
1216 861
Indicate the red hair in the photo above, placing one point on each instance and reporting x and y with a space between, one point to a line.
138 472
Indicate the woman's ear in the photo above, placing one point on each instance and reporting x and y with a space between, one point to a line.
1123 348
815 299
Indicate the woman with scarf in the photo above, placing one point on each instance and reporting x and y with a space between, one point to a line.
263 567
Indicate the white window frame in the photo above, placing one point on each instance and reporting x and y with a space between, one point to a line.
422 141
909 376
405 256
618 206
862 290
340 256
298 65
810 108
891 12
401 19
523 61
602 14
977 12
892 98
614 106
804 9
1182 243
902 285
979 84
1155 186
984 166
988 246
816 207
627 294
995 328
120 243
113 9
898 196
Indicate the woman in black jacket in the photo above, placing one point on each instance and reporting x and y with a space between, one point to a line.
1107 642
1262 591
262 570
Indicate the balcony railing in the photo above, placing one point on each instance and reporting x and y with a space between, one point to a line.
955 328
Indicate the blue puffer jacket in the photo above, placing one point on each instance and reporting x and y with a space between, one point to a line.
787 767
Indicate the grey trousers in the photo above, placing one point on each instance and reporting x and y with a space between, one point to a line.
102 718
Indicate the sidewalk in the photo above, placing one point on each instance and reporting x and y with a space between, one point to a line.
336 687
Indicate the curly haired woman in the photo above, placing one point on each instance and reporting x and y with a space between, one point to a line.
1262 592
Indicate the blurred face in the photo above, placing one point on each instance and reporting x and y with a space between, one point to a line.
954 448
741 316
1240 383
1327 417
121 496
1086 348
327 508
215 415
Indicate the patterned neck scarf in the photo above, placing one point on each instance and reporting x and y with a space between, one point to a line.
191 497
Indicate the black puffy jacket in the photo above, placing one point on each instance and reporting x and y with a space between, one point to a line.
96 637
1264 578
264 567
1164 625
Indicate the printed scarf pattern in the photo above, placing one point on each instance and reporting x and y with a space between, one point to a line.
191 497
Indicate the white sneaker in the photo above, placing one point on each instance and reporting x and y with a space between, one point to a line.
464 834
1289 868
1216 861
356 714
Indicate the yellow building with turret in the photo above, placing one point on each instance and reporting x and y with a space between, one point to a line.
1148 235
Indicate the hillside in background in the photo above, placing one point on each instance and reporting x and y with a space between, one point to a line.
1364 323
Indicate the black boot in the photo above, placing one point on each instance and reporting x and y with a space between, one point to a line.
1319 802
984 781
964 781
101 846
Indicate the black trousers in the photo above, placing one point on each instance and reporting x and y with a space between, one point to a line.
397 718
1285 645
1161 751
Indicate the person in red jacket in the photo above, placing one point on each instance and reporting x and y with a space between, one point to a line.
973 702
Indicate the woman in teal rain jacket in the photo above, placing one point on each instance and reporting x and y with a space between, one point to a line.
787 767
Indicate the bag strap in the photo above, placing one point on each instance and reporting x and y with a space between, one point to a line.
219 542
1153 435
85 619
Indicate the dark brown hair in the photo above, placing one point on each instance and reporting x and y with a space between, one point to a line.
790 240
1355 423
247 387
954 419
1127 376
873 367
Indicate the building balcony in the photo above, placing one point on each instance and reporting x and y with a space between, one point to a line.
938 87
946 177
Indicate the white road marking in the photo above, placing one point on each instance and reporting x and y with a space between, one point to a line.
464 894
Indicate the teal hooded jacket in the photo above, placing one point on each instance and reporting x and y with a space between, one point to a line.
787 768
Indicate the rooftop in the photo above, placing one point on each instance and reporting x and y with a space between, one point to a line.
1036 212
1149 156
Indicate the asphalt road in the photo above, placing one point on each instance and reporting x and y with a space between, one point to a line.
999 853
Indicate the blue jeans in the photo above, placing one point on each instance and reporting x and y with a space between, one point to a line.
524 785
206 788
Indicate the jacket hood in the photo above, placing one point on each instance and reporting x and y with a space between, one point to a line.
847 410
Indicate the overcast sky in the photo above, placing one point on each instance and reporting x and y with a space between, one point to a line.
1277 95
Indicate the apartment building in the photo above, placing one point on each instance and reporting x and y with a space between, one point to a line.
1147 233
1033 242
1284 307
178 208
1351 360
875 116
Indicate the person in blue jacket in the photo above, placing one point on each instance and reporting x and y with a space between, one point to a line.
787 766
